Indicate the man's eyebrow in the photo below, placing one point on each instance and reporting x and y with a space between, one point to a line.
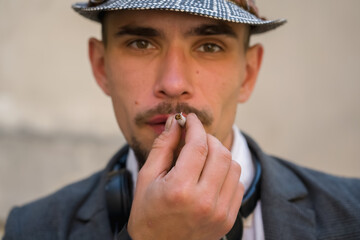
137 31
213 29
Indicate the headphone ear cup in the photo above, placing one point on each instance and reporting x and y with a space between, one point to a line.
119 195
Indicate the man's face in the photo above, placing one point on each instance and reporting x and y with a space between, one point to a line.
156 63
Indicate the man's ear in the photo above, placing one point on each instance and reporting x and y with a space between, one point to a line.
97 60
253 63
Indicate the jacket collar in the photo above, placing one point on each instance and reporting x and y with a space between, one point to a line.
92 216
286 209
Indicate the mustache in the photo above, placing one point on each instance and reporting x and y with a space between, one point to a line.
167 108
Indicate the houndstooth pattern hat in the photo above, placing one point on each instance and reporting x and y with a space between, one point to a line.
238 11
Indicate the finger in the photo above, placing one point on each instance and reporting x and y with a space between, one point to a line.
232 192
161 155
229 190
235 202
216 167
192 157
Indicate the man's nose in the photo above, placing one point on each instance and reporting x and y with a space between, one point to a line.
174 75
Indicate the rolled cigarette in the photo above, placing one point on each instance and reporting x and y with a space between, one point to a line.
180 119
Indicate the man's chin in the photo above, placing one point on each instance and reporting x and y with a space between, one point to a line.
141 152
142 146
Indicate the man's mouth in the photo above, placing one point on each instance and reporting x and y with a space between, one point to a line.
157 123
156 117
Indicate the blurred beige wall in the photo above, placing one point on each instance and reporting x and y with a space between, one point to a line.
56 126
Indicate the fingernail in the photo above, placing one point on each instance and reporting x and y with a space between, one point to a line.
169 122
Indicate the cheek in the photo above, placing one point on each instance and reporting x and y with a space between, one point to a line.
222 85
220 89
226 98
127 81
123 92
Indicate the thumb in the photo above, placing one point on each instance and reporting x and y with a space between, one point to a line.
160 159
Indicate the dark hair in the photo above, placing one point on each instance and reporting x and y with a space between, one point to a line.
103 30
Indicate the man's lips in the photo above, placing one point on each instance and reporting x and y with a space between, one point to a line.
159 119
157 123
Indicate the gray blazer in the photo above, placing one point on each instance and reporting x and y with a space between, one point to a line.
297 203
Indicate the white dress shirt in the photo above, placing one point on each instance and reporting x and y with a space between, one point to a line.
253 224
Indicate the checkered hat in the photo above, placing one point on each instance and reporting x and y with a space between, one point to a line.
238 11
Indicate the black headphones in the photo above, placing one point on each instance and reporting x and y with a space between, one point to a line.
119 194
119 190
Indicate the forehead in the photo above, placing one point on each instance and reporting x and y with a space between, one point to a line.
161 19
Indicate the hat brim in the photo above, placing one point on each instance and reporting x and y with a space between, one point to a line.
218 9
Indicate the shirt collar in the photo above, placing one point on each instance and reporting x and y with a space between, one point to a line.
241 154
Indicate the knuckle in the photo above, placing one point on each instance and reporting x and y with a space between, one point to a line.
178 195
220 149
225 155
236 166
228 224
205 208
202 149
224 158
213 141
221 216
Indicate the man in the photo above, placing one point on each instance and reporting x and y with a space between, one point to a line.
159 58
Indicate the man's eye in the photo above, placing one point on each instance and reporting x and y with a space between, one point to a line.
141 44
209 48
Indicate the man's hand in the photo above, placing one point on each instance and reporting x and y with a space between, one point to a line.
199 198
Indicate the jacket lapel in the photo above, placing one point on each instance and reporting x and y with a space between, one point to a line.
92 220
286 209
